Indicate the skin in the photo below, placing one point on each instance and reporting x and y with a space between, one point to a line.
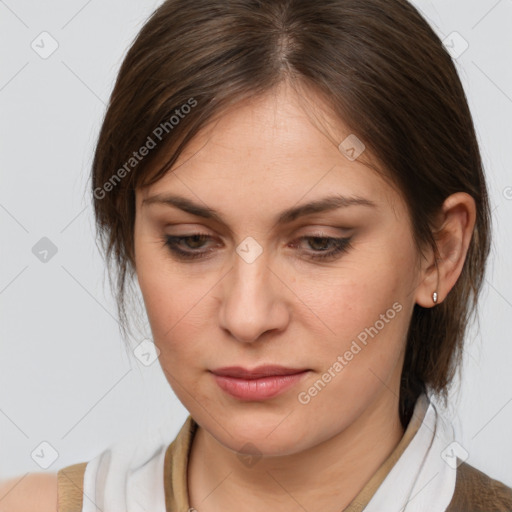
26 493
286 308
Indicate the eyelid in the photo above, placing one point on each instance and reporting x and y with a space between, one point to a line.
325 231
316 232
340 246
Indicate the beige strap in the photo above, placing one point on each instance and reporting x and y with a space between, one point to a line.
175 468
71 488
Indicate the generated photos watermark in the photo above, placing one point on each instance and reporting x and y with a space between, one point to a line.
137 156
305 397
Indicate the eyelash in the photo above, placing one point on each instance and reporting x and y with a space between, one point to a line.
341 245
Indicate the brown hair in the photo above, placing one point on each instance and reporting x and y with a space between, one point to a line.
383 71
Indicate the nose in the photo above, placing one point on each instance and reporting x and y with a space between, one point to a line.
252 302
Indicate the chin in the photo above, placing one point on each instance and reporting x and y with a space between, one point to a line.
271 434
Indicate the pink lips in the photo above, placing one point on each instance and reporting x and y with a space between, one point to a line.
259 383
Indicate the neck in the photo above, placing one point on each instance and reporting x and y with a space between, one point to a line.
329 474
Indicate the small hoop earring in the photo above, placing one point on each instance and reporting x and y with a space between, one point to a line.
434 297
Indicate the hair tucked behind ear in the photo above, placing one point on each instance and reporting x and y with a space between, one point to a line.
386 75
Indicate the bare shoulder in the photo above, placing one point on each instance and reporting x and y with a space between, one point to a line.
29 493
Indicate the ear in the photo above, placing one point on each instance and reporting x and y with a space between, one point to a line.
453 233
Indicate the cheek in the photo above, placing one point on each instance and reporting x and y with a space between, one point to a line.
175 319
169 295
366 311
172 303
181 313
351 299
361 352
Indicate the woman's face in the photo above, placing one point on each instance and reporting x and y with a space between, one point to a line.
259 287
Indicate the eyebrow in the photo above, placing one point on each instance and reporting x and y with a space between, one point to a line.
324 204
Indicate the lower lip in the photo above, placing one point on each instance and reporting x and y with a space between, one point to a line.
258 389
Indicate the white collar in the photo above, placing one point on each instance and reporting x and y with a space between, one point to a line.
423 478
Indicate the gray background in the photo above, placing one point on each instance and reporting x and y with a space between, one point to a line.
65 376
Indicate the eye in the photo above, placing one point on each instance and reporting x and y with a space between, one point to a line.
190 246
338 246
174 243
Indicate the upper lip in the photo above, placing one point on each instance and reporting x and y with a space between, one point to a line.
255 373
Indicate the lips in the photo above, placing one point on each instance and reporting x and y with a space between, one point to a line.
257 384
239 372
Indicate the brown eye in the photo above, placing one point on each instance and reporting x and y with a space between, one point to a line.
186 246
320 245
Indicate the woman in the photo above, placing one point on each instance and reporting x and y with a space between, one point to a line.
298 189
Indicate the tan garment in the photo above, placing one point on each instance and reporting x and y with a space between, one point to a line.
70 487
474 491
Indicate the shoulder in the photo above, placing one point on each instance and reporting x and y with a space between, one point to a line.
34 491
477 492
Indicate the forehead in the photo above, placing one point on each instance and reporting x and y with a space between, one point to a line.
268 152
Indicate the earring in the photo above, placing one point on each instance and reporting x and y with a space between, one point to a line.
434 297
